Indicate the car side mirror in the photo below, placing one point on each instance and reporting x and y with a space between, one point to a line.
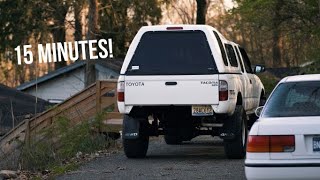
259 69
258 111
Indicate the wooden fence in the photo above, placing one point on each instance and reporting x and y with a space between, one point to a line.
83 106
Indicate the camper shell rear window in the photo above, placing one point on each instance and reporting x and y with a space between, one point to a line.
172 53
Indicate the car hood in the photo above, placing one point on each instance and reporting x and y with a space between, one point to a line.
287 125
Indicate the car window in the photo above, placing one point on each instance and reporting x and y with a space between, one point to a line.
231 55
246 61
172 53
223 53
294 99
239 58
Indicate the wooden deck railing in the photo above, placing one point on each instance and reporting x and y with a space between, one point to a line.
80 107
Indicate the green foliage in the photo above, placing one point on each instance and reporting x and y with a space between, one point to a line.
38 156
261 13
290 26
80 138
15 23
269 81
61 142
56 170
22 20
34 22
120 20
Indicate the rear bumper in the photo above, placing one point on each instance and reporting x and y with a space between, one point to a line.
224 107
257 171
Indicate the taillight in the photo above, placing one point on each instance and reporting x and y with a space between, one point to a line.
258 144
282 143
223 90
174 28
120 91
277 143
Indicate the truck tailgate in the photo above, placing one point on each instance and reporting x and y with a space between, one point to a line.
172 90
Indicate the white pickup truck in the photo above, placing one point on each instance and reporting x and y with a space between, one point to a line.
182 81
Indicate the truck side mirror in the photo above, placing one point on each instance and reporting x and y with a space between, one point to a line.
259 69
258 111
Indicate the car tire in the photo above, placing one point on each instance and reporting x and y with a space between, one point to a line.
172 140
137 148
236 148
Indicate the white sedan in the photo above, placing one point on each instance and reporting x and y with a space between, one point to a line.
285 142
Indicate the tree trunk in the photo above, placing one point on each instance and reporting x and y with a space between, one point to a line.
59 35
319 11
202 6
78 24
276 53
90 74
59 32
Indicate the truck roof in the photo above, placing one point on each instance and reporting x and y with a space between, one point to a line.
179 27
211 35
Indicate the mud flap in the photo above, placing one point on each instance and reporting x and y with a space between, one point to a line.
131 127
229 129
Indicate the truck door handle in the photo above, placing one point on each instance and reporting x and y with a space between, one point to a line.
171 83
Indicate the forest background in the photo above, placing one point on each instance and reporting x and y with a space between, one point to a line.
276 33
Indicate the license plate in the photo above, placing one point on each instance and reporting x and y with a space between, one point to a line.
316 144
202 110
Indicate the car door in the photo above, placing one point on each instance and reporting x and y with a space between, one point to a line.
254 101
248 88
253 79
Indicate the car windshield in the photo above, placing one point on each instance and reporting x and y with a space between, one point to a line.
172 53
294 99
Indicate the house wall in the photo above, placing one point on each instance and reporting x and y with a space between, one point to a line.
60 88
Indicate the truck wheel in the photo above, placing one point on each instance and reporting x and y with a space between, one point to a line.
172 140
137 147
236 148
253 118
262 101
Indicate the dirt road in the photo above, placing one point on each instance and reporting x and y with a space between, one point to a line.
202 158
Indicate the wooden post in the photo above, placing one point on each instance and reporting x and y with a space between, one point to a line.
27 133
115 97
12 115
98 96
98 101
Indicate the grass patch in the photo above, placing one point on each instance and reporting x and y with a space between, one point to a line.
62 169
61 142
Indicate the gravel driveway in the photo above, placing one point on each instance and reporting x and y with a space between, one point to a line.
202 158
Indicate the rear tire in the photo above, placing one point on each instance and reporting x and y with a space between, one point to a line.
237 123
137 148
172 140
